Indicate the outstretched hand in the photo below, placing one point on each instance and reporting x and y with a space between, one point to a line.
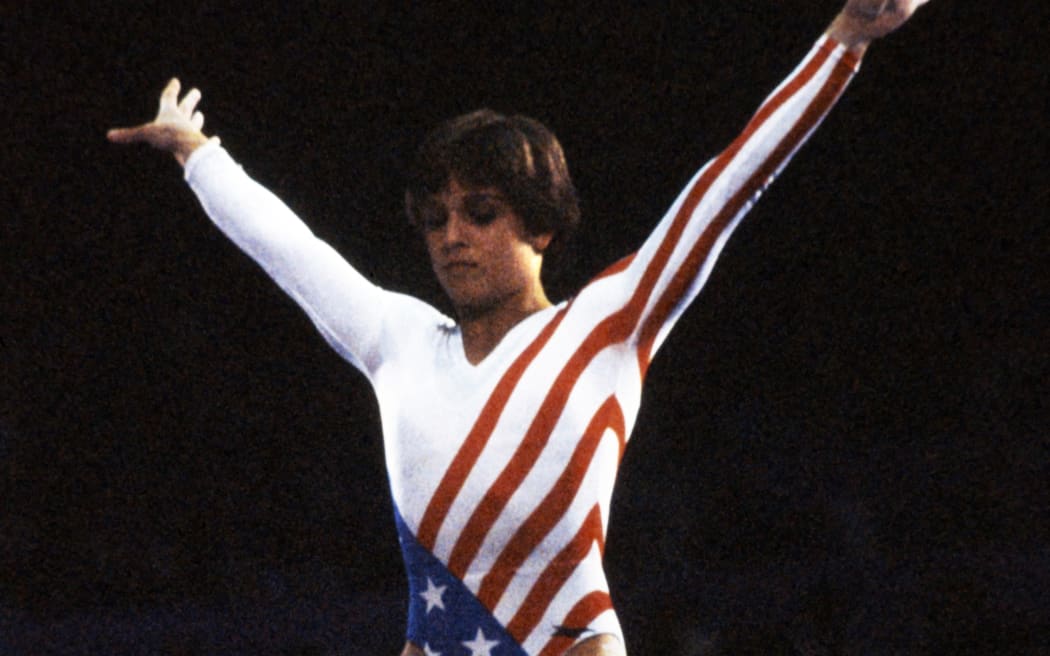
862 21
176 128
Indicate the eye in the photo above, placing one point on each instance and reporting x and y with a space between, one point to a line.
483 217
482 210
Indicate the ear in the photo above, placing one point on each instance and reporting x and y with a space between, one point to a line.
541 241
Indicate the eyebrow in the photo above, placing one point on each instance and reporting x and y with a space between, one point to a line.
492 195
485 194
433 202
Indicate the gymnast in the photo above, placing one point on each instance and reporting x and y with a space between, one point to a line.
505 423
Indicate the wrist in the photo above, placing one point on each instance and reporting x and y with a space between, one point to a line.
187 145
847 30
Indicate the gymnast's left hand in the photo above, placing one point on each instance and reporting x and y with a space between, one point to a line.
862 21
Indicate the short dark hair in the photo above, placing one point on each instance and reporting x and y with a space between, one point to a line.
517 155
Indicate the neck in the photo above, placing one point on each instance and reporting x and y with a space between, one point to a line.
484 327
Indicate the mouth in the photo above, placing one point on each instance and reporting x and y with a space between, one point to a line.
457 266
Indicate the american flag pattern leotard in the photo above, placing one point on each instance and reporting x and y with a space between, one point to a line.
502 472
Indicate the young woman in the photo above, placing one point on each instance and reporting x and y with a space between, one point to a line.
504 426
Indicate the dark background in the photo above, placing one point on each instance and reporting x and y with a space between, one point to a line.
842 447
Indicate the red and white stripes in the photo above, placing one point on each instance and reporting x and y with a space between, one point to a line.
641 296
505 471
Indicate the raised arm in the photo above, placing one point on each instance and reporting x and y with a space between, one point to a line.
349 311
662 278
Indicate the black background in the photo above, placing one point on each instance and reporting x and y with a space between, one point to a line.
842 447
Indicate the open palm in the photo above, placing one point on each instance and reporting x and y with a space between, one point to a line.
176 128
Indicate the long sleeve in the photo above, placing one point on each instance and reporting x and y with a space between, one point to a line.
349 311
666 274
502 473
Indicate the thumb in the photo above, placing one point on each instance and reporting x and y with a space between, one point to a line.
125 135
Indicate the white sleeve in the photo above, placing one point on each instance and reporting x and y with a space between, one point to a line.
348 310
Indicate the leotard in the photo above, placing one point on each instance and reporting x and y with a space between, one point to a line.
502 472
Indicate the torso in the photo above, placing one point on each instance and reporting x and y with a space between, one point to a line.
502 473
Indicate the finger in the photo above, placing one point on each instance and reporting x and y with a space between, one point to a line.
906 8
170 96
125 135
197 121
189 101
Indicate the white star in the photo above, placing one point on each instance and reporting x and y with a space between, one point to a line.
433 595
479 646
430 652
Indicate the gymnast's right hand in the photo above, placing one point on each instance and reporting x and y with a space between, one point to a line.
176 128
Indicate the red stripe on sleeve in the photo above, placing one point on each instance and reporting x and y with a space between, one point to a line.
703 185
684 277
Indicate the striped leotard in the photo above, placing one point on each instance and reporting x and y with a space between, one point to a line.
502 472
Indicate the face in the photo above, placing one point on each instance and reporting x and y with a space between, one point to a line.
479 249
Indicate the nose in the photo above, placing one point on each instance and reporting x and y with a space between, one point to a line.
456 231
